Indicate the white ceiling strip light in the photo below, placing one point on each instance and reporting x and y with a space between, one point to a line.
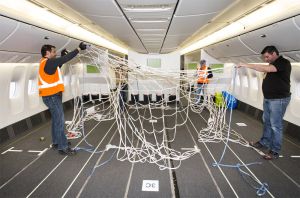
33 14
146 9
270 13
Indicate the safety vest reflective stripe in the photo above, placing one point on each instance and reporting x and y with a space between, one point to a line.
201 72
48 85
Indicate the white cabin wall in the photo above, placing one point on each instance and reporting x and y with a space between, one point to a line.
246 48
20 46
24 103
209 59
249 90
169 62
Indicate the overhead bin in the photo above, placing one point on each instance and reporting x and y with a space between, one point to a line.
29 39
229 48
20 41
14 57
8 26
285 35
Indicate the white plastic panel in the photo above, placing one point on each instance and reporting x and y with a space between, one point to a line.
18 78
72 44
23 104
30 39
7 27
284 35
294 107
33 97
162 25
12 57
194 7
149 15
152 2
174 40
95 7
251 92
229 48
292 56
120 28
188 25
296 21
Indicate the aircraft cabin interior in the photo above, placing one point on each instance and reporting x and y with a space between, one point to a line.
156 98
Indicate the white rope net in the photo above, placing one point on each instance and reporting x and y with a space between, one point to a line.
154 98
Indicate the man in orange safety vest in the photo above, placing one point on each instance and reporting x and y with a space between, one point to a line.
203 73
51 86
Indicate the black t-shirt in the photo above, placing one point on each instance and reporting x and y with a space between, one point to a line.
277 84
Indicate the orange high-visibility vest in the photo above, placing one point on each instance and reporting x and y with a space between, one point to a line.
201 72
49 84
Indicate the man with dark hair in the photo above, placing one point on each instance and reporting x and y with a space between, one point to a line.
51 86
203 73
277 95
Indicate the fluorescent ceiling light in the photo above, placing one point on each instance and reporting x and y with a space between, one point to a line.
151 30
146 40
154 35
147 9
153 44
259 18
36 15
152 41
149 21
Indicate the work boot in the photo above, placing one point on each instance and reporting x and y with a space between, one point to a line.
257 145
271 155
55 146
68 151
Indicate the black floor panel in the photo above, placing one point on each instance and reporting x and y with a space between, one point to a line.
53 175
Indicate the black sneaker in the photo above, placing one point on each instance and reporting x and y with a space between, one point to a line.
257 145
271 155
55 146
67 151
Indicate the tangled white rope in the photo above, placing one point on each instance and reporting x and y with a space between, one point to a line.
145 130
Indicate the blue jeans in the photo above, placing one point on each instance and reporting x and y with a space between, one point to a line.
200 87
54 103
274 110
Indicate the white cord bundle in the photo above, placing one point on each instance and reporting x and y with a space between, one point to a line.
145 134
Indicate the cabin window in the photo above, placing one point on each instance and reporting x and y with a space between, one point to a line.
66 80
245 81
92 69
32 86
12 89
297 90
254 83
237 80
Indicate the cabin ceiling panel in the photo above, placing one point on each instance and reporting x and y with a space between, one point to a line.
188 25
94 7
118 27
194 7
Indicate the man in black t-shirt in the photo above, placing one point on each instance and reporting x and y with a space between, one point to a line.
277 95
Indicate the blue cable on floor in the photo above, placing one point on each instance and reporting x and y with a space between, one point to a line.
260 191
103 163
